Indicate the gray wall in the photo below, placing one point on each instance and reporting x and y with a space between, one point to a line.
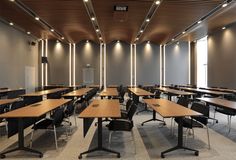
15 55
118 63
177 65
58 63
87 53
148 63
222 58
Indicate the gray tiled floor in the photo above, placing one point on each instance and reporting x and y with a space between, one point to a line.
150 140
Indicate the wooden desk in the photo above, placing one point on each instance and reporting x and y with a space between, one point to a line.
203 91
8 92
218 102
221 89
174 92
110 92
32 111
7 101
101 109
169 109
78 93
38 96
139 92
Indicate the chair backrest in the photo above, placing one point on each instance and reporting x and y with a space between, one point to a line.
58 116
128 104
132 111
203 109
17 104
70 108
184 101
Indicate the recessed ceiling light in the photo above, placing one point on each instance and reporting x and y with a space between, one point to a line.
183 32
173 39
177 43
148 42
147 20
52 30
225 5
28 33
199 22
137 38
62 38
223 28
93 18
97 30
12 0
85 0
100 38
11 23
141 31
87 41
118 41
36 18
158 2
57 41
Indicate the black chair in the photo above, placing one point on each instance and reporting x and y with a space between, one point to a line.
123 124
55 121
3 121
70 111
124 112
197 121
227 112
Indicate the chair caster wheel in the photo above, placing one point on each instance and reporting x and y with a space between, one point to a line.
80 157
142 124
164 124
41 156
162 156
196 153
216 121
118 155
2 156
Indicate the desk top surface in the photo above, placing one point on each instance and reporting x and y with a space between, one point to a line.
204 91
109 92
78 93
10 90
168 108
221 89
7 101
140 92
45 92
174 91
220 102
102 109
36 109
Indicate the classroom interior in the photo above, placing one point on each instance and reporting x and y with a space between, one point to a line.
117 79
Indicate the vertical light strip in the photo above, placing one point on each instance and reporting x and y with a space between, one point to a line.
164 65
100 65
189 62
73 64
135 75
42 65
131 64
46 64
70 64
160 65
105 67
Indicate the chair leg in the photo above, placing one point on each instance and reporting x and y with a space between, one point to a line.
171 126
132 133
6 125
75 120
209 145
229 123
31 138
109 140
55 136
193 132
186 137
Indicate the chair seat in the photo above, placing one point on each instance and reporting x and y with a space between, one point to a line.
44 124
226 111
120 125
189 123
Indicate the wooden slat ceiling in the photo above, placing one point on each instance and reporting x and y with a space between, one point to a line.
11 13
172 17
111 27
215 23
70 18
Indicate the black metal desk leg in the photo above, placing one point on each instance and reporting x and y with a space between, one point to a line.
21 142
154 119
99 147
180 141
